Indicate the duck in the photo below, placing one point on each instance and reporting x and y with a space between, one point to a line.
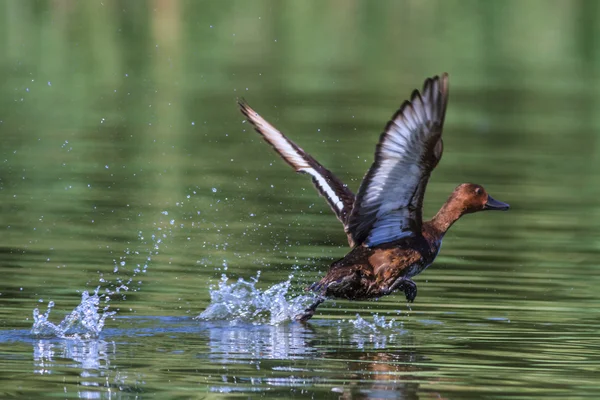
383 222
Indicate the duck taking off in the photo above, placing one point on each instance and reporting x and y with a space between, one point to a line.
383 222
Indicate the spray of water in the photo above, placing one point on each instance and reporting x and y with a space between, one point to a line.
84 322
243 301
379 324
87 320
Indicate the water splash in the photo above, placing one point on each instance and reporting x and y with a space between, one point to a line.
379 324
243 301
378 334
84 322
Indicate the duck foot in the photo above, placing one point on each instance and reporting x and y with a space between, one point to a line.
407 286
310 310
410 290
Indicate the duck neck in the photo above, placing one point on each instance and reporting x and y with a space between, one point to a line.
447 215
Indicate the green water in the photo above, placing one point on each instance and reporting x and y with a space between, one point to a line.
119 122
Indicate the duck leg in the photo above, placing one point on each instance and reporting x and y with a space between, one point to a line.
310 310
406 285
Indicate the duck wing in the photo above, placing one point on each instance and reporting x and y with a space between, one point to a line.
388 204
337 194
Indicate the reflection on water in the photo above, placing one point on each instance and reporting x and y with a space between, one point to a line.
252 343
343 354
87 354
377 374
384 363
91 359
379 360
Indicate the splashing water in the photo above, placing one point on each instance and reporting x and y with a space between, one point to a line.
242 301
379 324
377 334
84 322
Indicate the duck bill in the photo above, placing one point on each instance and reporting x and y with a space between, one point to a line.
493 204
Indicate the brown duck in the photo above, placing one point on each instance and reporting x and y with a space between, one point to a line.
390 241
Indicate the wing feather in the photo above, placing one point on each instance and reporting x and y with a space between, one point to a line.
390 198
337 194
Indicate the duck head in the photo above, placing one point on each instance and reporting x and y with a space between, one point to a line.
471 198
466 198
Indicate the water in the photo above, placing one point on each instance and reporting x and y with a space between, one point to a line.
126 168
242 301
84 322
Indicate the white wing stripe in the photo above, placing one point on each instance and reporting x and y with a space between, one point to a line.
301 162
280 142
288 151
327 190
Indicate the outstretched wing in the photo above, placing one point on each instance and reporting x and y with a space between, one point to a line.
339 197
389 201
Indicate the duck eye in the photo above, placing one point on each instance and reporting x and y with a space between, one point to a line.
478 191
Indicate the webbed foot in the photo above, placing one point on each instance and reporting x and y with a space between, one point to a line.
410 290
407 286
310 310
